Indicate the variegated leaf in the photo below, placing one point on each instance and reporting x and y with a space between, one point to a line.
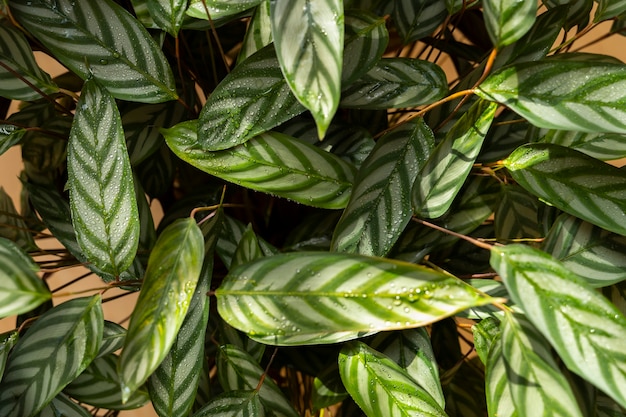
603 146
62 406
537 386
575 12
485 334
445 171
168 286
16 55
10 135
573 182
248 248
21 290
497 391
379 210
272 163
230 234
585 329
84 36
327 388
238 371
396 83
54 351
168 14
381 387
308 36
516 215
508 20
366 39
112 338
608 9
259 32
102 197
319 297
219 9
241 403
566 93
416 19
12 225
7 341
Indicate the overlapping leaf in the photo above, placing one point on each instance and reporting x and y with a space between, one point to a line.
573 182
380 208
603 146
10 135
445 171
485 333
168 14
259 32
12 225
112 338
497 392
366 39
584 328
7 341
608 9
170 281
219 9
62 406
516 215
508 20
319 297
416 19
102 197
84 36
561 93
243 403
380 387
248 248
272 163
69 334
327 388
308 36
575 12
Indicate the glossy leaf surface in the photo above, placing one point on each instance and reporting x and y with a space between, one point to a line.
259 32
508 20
62 406
603 146
516 215
219 9
366 38
243 403
168 14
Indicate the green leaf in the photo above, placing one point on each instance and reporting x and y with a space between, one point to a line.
445 171
7 341
585 329
537 386
272 163
259 32
485 334
219 9
102 197
603 146
169 283
577 12
327 388
609 9
252 99
242 403
318 297
309 44
396 83
380 387
497 392
238 371
516 215
573 182
378 210
560 93
248 248
366 39
62 406
13 226
596 255
508 20
121 55
112 338
69 334
21 290
18 67
10 135
168 14
416 19
99 386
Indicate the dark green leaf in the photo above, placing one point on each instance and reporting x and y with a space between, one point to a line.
366 38
608 9
219 9
241 403
168 14
13 226
7 341
10 135
485 334
327 388
62 406
516 215
112 338
416 19
603 146
508 20
248 248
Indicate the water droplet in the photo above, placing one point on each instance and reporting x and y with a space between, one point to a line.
103 61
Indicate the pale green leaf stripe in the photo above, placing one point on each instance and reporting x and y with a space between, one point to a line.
516 215
21 290
508 20
233 404
84 36
417 19
603 146
380 387
573 182
112 338
308 36
396 83
327 388
102 197
248 248
252 99
259 32
171 277
585 329
272 163
445 171
498 394
99 386
598 256
319 297
537 386
378 211
168 14
608 9
566 94
485 333
62 406
366 39
219 9
16 54
238 371
69 334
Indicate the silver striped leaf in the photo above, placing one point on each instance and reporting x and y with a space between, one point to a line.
252 99
12 224
100 182
99 386
7 341
15 53
585 329
102 40
21 290
248 248
442 176
379 208
242 403
230 234
396 83
366 39
603 146
497 391
394 395
485 333
308 36
62 406
54 351
220 9
570 92
140 8
516 215
596 255
537 386
259 32
112 338
573 182
508 20
272 163
168 14
10 135
238 371
319 297
608 9
416 19
327 388
171 277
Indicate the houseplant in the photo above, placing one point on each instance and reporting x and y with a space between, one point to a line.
347 229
